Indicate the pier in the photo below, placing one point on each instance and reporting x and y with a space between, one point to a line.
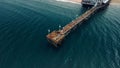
57 36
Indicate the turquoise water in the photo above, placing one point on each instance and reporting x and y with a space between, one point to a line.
23 30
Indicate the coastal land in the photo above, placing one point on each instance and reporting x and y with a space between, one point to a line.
78 1
115 1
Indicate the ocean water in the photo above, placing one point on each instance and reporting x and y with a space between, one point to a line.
24 25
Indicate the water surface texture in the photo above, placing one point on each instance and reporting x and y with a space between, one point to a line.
23 30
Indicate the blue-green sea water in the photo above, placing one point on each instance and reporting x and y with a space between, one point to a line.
24 25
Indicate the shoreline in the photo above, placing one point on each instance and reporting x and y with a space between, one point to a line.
79 1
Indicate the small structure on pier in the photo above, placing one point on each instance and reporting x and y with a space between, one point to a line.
93 2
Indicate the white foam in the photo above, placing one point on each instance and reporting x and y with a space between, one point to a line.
68 1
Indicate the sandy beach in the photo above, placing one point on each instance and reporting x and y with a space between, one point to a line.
78 1
115 1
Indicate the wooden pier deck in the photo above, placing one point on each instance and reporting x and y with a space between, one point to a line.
56 37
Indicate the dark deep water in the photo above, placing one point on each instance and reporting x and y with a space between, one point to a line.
23 30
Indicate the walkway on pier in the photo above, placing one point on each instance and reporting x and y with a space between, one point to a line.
79 20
